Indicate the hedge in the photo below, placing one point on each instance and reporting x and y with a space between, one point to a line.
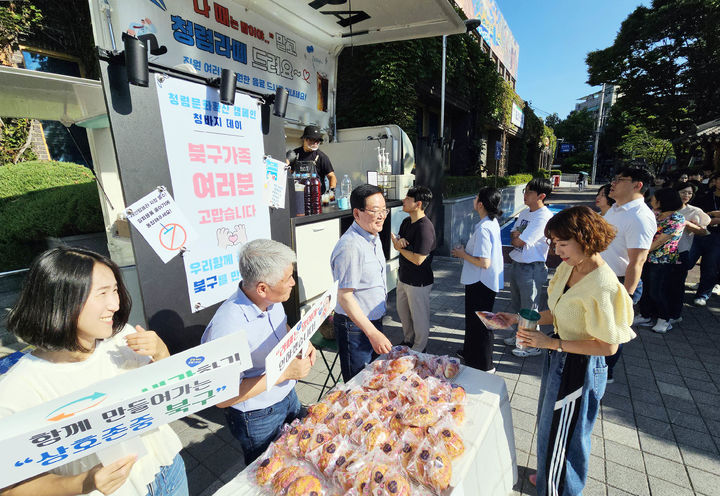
42 199
469 185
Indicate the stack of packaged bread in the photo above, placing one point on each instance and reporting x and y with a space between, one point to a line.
394 432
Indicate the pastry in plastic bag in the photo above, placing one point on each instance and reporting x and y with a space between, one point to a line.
287 476
268 468
307 485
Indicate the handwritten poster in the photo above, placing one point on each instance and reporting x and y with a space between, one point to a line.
215 153
298 337
160 222
116 410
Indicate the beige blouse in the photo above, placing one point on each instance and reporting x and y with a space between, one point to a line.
597 306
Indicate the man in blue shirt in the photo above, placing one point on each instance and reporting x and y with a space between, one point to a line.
358 264
257 413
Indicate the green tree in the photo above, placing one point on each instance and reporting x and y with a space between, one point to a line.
552 120
16 19
666 60
641 144
577 128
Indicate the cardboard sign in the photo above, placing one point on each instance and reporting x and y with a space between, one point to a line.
160 222
296 340
115 410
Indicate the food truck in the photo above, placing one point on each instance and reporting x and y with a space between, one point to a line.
185 178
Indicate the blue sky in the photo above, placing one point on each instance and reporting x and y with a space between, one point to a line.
554 37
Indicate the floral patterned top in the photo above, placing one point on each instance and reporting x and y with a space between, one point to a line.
673 225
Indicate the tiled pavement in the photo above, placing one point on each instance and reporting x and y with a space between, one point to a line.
659 427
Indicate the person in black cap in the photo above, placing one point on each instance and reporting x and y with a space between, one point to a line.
309 151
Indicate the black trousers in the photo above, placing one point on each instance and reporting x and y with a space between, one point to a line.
478 345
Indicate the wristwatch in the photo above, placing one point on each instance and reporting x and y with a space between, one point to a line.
559 348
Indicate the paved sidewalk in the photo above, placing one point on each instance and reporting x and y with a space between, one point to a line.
659 426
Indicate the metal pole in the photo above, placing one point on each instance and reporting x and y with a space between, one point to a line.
597 135
442 91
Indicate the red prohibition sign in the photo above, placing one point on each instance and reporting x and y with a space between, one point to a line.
173 236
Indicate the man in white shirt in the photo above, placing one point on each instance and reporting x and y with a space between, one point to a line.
636 226
529 272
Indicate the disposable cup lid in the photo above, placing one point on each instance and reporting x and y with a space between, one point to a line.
528 314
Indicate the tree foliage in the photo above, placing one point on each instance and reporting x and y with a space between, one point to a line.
666 60
641 144
552 120
577 128
378 84
16 19
13 137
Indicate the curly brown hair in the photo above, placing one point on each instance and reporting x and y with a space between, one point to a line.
584 225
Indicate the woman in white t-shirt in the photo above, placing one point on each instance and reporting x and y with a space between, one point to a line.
482 275
74 309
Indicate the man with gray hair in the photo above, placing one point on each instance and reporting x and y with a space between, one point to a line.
256 414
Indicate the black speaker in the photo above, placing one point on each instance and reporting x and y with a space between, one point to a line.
136 60
281 101
227 87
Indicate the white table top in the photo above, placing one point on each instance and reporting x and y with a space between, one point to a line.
485 395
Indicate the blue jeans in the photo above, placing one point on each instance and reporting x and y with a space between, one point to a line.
171 480
256 429
526 285
570 393
354 347
707 247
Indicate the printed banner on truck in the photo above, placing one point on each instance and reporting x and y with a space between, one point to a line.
208 36
297 339
215 156
115 410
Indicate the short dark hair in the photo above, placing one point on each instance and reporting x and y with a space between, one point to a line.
592 232
605 190
669 199
421 193
490 198
360 194
638 175
55 291
680 185
540 185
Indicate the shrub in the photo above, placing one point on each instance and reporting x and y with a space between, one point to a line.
542 173
41 199
575 168
469 185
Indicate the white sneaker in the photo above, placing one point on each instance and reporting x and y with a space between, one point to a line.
510 341
675 321
526 352
643 321
716 289
662 326
700 302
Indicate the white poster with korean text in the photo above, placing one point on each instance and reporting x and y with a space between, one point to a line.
115 410
215 156
157 217
275 183
296 340
206 36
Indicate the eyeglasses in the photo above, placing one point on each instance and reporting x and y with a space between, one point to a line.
382 212
618 179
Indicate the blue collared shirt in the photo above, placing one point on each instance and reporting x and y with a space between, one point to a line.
264 330
358 262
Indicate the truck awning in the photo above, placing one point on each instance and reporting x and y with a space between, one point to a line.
334 25
52 97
